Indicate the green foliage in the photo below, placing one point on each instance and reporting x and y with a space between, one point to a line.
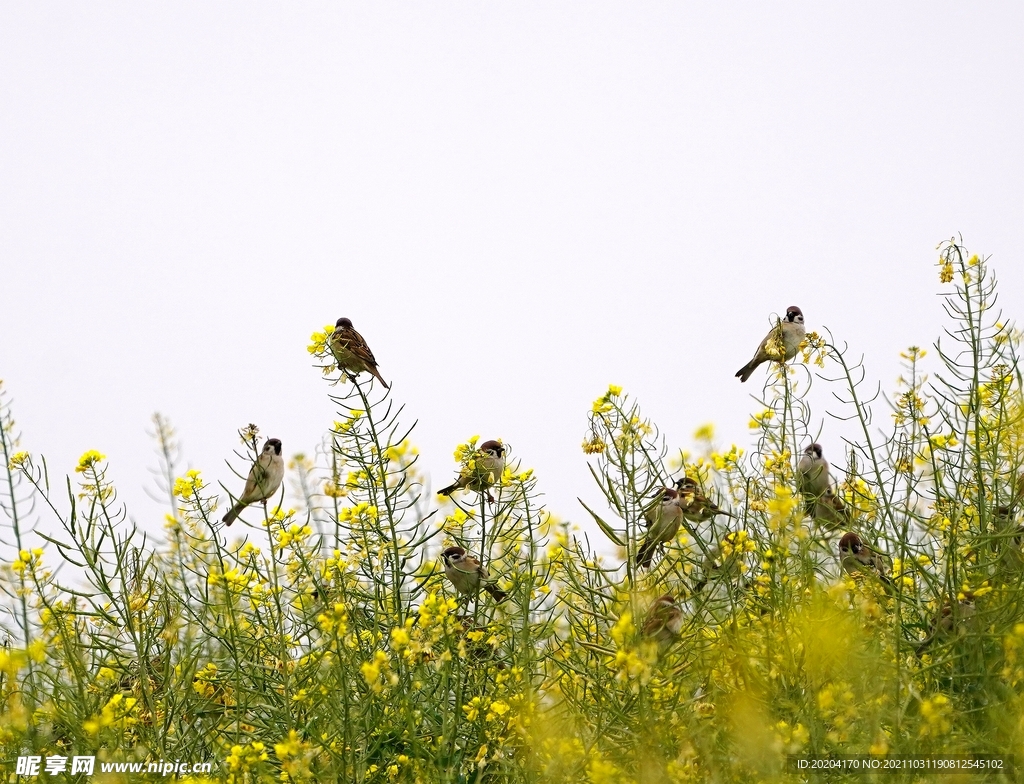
337 650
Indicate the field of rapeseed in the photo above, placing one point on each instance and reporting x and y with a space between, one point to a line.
339 651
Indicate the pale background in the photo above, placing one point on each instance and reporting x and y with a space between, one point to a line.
516 203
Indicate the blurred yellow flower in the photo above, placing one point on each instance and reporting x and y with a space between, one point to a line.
705 432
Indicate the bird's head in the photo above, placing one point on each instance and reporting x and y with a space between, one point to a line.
850 544
273 444
794 314
453 554
344 323
493 448
663 601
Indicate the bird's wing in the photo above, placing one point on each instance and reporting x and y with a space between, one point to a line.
354 342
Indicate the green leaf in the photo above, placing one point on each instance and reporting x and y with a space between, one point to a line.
608 530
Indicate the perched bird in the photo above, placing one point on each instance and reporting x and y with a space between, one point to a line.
662 518
664 621
952 620
858 559
830 510
486 468
784 339
812 472
695 505
264 478
1008 536
467 575
814 481
351 351
715 566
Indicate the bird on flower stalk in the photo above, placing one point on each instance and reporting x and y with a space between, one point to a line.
352 353
482 471
953 620
814 481
264 478
858 560
716 566
664 621
467 574
662 518
696 507
780 344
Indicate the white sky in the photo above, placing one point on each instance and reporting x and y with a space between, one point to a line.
516 204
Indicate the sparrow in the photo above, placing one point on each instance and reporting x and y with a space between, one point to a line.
814 482
662 518
264 478
830 510
352 353
790 332
1007 539
858 559
715 566
483 471
467 575
664 621
696 506
952 619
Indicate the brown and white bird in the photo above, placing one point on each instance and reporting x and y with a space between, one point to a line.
662 519
467 575
664 621
696 506
1007 538
715 566
814 481
858 559
264 478
831 510
789 332
482 472
953 620
352 353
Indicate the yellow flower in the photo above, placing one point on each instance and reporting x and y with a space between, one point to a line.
705 433
945 271
372 670
600 771
188 485
318 341
472 708
464 452
18 460
399 638
498 708
89 460
781 507
814 349
936 713
594 445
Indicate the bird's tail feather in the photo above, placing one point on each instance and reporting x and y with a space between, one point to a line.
744 372
236 510
496 592
645 554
